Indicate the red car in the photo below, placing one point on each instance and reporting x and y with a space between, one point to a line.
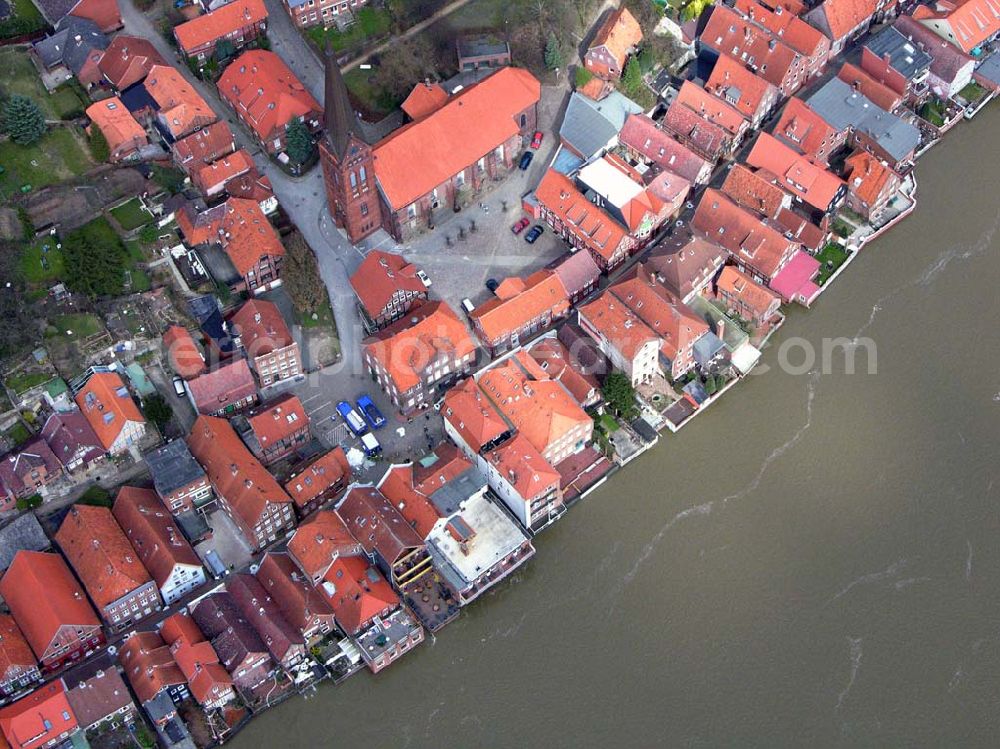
520 226
536 142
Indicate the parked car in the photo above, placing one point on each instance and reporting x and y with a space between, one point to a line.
179 387
536 142
354 421
492 283
371 445
371 412
526 160
520 225
533 234
468 306
424 279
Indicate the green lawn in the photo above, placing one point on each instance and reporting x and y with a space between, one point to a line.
58 156
21 383
32 267
372 98
973 92
140 281
25 19
20 77
135 250
830 257
608 423
478 14
131 215
933 112
371 23
19 433
82 324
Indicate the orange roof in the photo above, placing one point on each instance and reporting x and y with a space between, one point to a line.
240 226
812 183
523 466
879 94
751 190
153 532
867 176
205 145
263 89
357 592
749 93
320 540
619 33
969 22
735 283
742 233
472 415
560 364
180 105
541 409
15 653
107 406
328 470
117 124
382 275
843 16
397 486
234 472
619 324
424 99
43 596
101 555
182 352
425 154
128 59
302 605
677 325
598 231
211 27
519 302
278 420
802 130
149 665
792 30
214 176
426 335
104 13
596 88
261 327
196 658
730 33
39 719
710 107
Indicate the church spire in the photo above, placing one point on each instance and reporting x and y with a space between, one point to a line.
339 117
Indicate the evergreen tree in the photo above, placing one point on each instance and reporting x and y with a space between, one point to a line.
298 141
619 395
23 120
553 55
632 77
99 147
157 410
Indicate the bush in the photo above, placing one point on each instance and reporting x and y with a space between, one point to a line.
29 503
157 410
169 178
619 395
582 76
99 148
96 496
95 259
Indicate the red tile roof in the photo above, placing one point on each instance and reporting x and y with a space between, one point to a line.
205 146
249 236
843 16
376 524
424 99
397 486
282 639
278 420
153 533
104 13
619 33
705 137
525 301
328 470
43 596
230 383
357 593
802 130
299 601
868 176
879 94
261 328
212 178
786 25
101 555
382 275
558 363
181 107
183 354
149 665
967 23
17 467
265 92
709 107
728 30
810 182
213 26
425 154
643 135
752 190
15 654
430 333
196 658
472 415
619 324
734 283
120 129
128 59
755 95
107 406
234 472
523 467
600 233
742 233
320 540
40 719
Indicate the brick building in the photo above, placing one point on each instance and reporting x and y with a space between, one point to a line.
276 429
180 483
387 287
261 332
239 22
18 666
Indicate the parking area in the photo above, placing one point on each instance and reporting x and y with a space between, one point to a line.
227 541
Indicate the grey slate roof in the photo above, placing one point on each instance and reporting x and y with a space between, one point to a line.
448 499
55 10
990 68
23 533
904 56
843 107
71 44
481 45
589 125
173 466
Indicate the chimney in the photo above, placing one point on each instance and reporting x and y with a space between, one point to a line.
720 328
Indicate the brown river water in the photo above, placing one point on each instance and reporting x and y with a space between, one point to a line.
814 561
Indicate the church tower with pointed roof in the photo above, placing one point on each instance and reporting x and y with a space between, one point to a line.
348 162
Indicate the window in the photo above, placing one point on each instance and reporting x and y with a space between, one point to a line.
363 174
524 120
364 209
354 182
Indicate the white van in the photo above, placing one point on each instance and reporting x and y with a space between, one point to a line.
371 445
468 306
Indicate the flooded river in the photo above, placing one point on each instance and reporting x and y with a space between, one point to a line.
814 561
